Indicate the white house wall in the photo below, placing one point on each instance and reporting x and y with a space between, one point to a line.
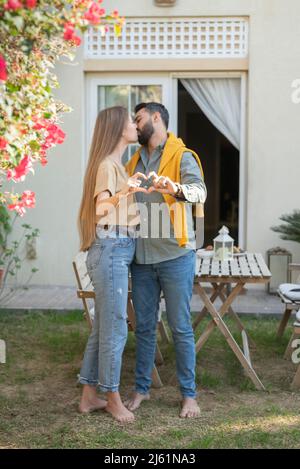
273 137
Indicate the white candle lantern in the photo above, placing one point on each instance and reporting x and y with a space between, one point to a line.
223 245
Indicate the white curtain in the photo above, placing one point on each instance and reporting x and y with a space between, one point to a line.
220 100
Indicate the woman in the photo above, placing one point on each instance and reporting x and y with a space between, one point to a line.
106 230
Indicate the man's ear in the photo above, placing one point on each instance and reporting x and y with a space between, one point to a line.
156 117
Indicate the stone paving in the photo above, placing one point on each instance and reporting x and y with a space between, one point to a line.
62 298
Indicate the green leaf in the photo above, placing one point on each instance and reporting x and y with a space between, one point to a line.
34 145
12 87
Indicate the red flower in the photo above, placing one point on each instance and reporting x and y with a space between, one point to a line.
69 31
28 199
3 143
13 5
115 14
18 207
31 3
54 135
3 73
43 161
69 34
19 172
94 13
77 40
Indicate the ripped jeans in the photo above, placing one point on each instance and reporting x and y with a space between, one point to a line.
108 264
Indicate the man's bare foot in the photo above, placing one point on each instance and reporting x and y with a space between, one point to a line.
135 401
119 412
90 405
189 408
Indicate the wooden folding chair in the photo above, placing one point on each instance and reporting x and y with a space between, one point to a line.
86 292
290 305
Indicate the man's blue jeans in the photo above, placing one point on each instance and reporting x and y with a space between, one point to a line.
175 278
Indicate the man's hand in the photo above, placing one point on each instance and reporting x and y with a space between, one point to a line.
133 184
162 184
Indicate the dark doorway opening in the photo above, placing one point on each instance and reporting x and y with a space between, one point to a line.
220 161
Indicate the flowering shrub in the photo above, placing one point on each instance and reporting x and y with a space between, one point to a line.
33 35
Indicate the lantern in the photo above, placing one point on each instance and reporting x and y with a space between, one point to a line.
223 245
278 263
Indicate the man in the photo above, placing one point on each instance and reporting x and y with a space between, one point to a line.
163 263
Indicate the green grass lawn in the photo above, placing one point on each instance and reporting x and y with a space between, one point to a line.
39 395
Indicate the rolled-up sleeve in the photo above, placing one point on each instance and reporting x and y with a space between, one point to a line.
191 180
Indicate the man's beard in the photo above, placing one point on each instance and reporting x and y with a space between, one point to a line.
146 133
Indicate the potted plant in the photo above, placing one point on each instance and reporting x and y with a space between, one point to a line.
290 231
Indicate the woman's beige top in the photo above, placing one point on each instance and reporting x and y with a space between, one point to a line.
112 177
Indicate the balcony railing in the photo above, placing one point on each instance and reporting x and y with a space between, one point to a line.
172 38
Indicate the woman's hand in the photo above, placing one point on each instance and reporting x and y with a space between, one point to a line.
162 184
133 184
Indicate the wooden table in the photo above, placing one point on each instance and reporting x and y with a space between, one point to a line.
249 268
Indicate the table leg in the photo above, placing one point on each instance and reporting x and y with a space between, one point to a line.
218 321
215 318
238 321
217 289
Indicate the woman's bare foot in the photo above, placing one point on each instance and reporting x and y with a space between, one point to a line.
135 401
91 406
117 409
90 400
189 408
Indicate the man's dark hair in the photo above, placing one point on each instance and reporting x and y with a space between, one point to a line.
155 107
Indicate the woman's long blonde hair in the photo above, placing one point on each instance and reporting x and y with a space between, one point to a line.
108 130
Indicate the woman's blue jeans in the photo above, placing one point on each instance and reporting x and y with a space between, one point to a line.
175 278
108 263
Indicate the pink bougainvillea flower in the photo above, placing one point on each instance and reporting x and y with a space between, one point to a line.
69 34
68 31
3 73
94 13
55 136
18 207
28 199
19 172
3 143
115 14
31 3
77 40
13 5
43 161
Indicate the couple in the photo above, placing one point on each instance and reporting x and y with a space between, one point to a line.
108 229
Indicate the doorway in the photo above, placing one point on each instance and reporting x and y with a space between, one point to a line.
221 166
